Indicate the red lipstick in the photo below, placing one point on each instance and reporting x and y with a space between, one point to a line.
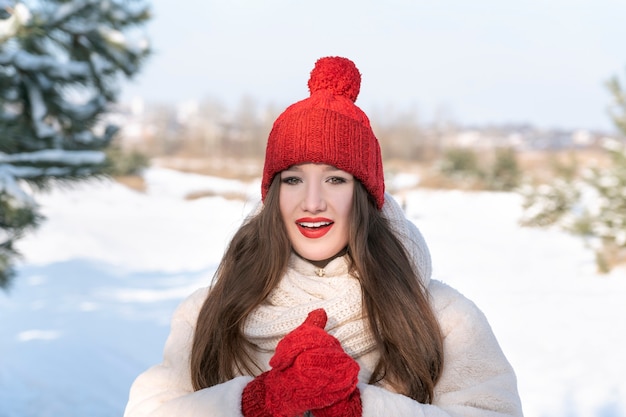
314 227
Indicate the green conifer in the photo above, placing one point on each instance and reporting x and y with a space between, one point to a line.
61 64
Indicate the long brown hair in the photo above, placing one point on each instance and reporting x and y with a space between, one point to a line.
396 303
406 331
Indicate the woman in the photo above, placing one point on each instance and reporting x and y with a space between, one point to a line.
323 302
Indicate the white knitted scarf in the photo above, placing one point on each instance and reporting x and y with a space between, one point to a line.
303 290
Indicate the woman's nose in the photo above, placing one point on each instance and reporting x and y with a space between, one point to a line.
313 200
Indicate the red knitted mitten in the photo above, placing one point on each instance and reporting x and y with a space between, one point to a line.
253 398
349 407
310 370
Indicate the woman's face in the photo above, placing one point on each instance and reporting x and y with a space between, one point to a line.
315 203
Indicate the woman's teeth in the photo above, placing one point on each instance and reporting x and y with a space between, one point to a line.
315 225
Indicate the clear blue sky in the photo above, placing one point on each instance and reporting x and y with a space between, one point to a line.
477 62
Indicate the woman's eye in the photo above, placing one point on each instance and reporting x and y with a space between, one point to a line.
290 180
336 180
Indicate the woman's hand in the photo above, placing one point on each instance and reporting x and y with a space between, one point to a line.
310 371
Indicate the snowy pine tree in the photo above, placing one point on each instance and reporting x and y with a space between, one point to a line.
61 63
617 110
593 204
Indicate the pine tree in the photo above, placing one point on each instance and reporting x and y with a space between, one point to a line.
617 110
592 204
61 64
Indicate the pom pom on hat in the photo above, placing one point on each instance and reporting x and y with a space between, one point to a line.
338 75
327 128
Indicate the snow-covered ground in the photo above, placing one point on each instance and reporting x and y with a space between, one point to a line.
91 305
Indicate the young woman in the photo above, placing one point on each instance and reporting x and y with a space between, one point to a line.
323 302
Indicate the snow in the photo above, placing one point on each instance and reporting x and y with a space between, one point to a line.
61 156
10 186
90 307
10 174
113 36
20 17
66 70
64 11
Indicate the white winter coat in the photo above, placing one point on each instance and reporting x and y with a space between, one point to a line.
477 379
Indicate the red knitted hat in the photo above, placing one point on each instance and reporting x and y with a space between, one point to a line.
327 128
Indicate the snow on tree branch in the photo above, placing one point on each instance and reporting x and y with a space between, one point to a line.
10 186
20 16
58 156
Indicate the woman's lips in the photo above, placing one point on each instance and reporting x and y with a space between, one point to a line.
314 228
